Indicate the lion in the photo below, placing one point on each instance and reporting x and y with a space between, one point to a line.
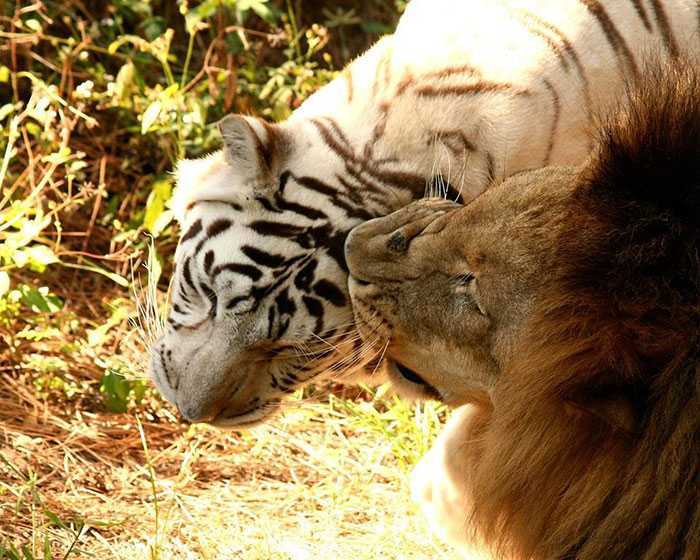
561 311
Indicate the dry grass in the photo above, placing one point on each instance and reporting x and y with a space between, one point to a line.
322 481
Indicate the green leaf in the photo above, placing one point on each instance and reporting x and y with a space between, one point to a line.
20 258
234 45
33 129
29 230
139 390
169 92
40 256
8 108
33 24
4 283
47 548
156 217
113 276
59 157
40 300
125 83
10 553
116 390
153 27
150 116
195 17
53 518
258 6
98 335
163 221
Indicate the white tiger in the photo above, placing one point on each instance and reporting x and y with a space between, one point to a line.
464 93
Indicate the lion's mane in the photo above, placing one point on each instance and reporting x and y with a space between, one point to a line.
592 448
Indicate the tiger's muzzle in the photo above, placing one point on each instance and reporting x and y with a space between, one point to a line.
210 383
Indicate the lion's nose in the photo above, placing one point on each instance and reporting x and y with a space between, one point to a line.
361 252
354 249
382 249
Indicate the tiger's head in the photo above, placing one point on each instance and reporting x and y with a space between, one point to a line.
259 295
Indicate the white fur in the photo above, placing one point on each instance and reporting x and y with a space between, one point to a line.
439 484
210 172
489 35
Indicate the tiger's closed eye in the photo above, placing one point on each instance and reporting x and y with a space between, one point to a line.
211 296
240 305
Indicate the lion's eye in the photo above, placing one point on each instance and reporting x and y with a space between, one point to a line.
465 279
466 285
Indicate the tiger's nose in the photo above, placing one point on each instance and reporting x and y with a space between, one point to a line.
199 412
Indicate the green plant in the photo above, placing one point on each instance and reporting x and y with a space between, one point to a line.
99 100
118 391
95 120
410 428
28 497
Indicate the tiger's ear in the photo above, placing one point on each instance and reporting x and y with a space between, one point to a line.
247 166
251 149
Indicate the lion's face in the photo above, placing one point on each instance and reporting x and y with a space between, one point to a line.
447 288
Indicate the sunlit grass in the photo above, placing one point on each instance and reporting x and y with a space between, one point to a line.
324 480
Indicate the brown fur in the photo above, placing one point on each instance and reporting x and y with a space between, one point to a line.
590 446
623 324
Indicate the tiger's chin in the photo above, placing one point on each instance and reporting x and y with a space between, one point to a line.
249 419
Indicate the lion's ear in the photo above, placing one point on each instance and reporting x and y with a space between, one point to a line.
645 163
250 148
619 408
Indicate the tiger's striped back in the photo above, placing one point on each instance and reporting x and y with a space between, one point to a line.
464 93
